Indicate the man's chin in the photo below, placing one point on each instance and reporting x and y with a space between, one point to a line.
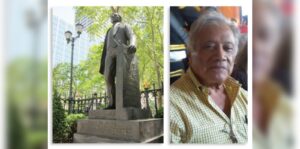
219 79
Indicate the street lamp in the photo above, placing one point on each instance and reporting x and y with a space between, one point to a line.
79 28
69 38
34 19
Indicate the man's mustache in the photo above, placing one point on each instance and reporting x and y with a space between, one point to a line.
220 64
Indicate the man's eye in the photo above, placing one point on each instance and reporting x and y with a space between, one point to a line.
209 46
228 48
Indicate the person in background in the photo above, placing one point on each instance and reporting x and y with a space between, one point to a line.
272 111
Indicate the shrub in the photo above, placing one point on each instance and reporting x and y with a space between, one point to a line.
59 124
71 121
101 106
160 113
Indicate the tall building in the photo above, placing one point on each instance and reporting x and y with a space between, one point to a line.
61 51
85 21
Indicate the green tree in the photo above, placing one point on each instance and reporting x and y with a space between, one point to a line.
61 79
90 80
59 123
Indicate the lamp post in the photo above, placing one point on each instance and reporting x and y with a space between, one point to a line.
35 18
69 38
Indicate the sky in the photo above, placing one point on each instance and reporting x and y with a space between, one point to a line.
16 26
65 13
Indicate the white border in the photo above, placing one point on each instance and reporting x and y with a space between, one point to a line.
296 69
3 64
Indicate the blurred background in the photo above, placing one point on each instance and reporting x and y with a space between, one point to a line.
273 55
26 73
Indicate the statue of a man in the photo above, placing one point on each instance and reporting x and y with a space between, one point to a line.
119 37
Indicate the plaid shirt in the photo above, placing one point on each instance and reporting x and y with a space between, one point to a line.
280 129
195 117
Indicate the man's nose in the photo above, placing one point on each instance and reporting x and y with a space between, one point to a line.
220 52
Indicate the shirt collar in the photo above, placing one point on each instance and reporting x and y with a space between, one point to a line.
231 85
194 79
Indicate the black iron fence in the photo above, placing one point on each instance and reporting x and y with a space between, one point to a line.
149 98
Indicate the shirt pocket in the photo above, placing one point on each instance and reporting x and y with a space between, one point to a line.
241 132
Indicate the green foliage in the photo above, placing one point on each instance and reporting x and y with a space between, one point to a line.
102 106
87 73
160 113
27 102
160 110
64 126
59 124
35 139
61 81
72 124
16 129
87 79
147 24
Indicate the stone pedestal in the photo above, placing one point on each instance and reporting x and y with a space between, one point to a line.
122 114
119 131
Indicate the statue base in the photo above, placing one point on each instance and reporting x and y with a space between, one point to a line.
119 131
120 114
124 125
80 138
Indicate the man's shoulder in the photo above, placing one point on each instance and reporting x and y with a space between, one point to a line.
180 84
243 95
122 25
181 89
243 91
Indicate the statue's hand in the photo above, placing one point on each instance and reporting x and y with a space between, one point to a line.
131 49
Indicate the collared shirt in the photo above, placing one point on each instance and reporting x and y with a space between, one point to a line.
196 118
280 128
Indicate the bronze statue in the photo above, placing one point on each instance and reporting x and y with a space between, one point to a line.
120 38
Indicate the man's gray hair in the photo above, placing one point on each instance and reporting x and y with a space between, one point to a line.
210 18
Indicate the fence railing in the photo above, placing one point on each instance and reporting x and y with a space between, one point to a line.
149 98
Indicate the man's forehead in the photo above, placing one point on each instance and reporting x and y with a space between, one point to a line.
215 28
222 34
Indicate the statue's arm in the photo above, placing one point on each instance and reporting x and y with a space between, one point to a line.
130 35
132 40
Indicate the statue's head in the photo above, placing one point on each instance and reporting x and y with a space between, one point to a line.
115 17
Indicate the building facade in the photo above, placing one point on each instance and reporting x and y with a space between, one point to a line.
61 51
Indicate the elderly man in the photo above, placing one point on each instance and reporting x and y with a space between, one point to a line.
273 113
207 105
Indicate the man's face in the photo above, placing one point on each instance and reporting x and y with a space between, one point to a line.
212 60
115 17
